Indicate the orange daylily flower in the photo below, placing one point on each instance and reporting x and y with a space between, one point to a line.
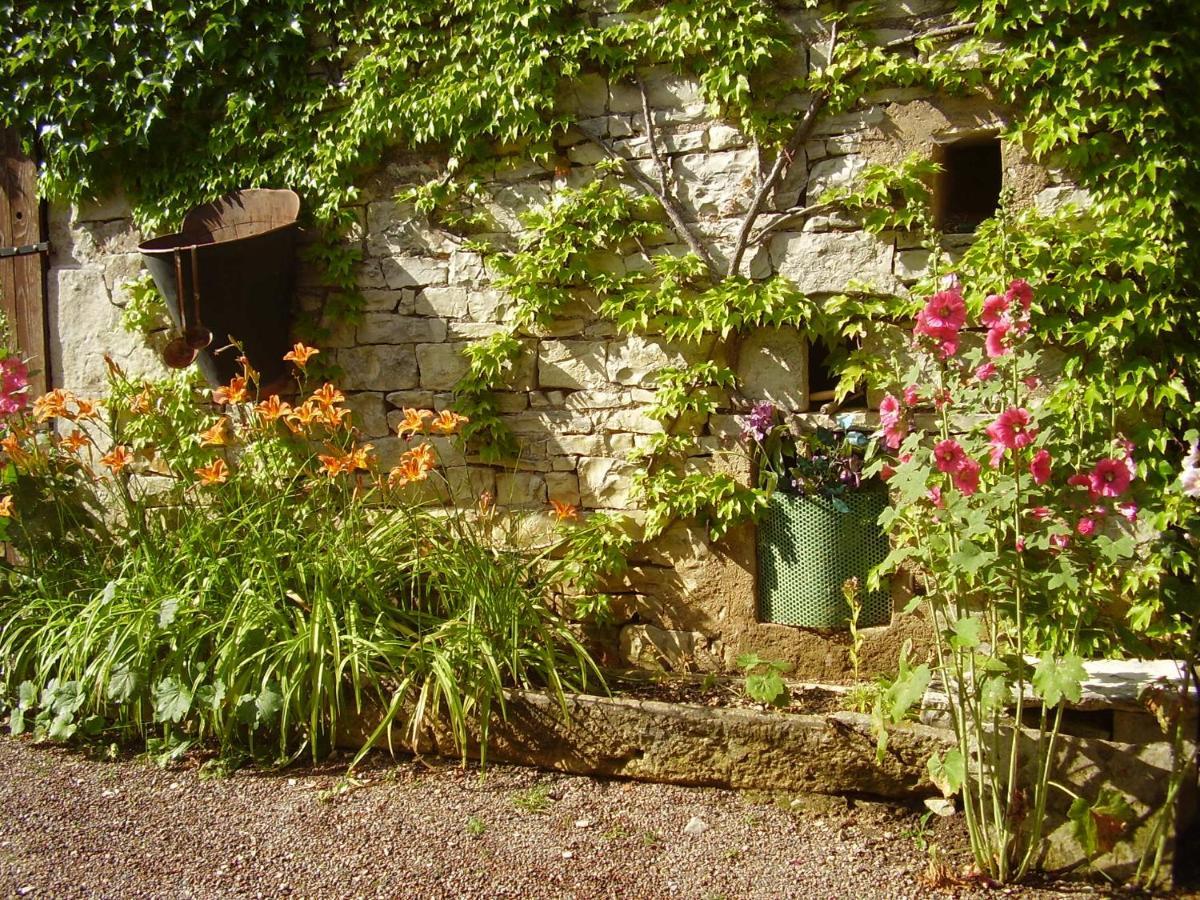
328 395
331 464
215 472
304 415
217 435
405 473
234 392
6 507
359 458
117 459
300 354
53 405
11 444
273 408
563 511
348 463
335 416
75 441
139 404
415 465
414 422
86 409
447 422
424 456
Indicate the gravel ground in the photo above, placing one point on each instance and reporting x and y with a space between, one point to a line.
73 826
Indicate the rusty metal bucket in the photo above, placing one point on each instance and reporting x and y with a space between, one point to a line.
238 283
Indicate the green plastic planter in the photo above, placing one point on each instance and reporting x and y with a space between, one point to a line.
806 551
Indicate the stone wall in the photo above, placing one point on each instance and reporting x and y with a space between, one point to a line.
578 396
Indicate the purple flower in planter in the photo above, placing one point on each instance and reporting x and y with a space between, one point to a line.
758 424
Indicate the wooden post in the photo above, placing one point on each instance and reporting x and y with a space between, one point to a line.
22 277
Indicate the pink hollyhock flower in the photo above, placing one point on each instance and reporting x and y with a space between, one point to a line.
951 283
1130 462
966 476
911 396
944 337
1086 526
10 405
1080 480
942 400
1020 545
1011 429
935 496
894 435
949 455
994 345
1060 541
14 375
995 455
1032 382
1040 512
1109 478
986 371
1128 510
1189 482
994 308
889 410
1019 290
886 471
1039 467
946 309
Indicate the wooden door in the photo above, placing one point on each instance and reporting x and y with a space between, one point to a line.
23 256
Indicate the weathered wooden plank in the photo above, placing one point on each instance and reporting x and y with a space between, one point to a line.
22 283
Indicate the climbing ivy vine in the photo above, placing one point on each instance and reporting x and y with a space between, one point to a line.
182 100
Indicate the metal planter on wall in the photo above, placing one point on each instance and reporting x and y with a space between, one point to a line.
230 271
807 549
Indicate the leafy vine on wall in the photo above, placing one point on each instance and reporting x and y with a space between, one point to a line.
183 100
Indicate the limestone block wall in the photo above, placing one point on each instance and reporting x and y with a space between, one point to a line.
578 396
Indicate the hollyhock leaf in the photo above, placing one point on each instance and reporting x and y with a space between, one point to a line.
1099 826
172 700
907 690
167 612
16 721
966 634
947 772
62 727
267 706
1057 679
122 684
27 695
970 557
994 694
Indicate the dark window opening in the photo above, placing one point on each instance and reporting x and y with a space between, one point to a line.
823 379
968 189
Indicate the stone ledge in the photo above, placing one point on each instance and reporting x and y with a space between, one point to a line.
834 753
